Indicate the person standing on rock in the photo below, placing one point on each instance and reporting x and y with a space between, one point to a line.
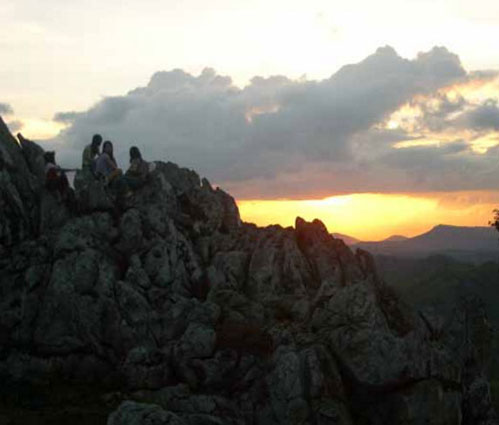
90 153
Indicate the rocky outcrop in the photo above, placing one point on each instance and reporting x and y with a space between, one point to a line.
188 316
19 190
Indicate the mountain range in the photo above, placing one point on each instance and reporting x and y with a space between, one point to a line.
475 244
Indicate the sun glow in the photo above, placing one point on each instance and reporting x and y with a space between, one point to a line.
418 142
260 110
476 90
37 129
483 144
369 216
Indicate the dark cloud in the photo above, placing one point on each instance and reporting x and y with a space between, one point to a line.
437 111
283 137
482 117
442 111
6 109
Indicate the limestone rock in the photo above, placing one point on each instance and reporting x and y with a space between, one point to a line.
168 299
130 413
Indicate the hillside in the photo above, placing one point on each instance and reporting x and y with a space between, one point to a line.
441 280
396 238
439 283
164 308
475 244
349 240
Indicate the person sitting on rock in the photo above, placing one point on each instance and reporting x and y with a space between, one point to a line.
106 165
91 153
55 177
138 171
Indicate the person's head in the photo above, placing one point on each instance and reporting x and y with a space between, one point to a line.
49 157
96 141
107 147
135 153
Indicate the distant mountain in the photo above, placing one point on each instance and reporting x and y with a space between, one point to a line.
476 244
396 238
349 240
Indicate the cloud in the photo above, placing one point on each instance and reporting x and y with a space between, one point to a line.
279 137
66 117
437 111
6 109
482 117
15 126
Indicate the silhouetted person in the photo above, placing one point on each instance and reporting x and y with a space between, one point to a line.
106 164
138 171
90 153
55 178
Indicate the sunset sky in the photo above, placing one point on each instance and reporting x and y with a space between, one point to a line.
379 118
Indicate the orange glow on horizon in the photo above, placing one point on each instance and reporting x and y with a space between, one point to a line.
370 216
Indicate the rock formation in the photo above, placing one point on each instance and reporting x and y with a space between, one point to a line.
181 314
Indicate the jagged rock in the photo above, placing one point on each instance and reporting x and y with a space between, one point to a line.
34 157
91 193
167 298
427 402
130 413
145 368
299 380
193 408
19 189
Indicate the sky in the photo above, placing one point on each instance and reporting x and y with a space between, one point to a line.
379 118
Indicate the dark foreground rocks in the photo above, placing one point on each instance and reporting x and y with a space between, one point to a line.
175 312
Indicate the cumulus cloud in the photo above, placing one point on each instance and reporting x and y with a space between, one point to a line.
6 109
279 137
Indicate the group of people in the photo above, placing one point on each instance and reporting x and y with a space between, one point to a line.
101 166
104 165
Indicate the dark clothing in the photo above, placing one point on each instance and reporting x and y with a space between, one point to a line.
139 169
136 175
55 179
